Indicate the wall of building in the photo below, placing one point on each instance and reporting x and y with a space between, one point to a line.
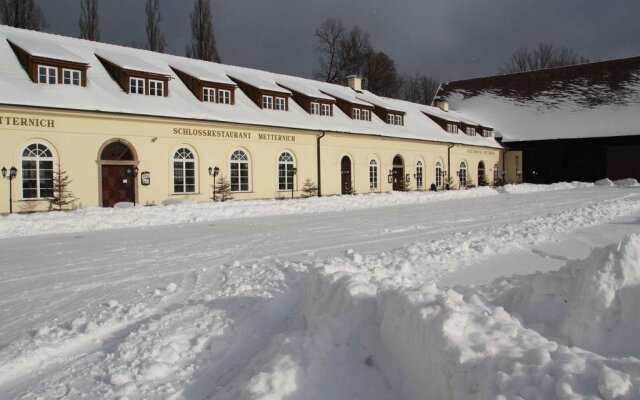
77 138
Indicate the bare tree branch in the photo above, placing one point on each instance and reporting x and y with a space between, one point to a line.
329 35
155 38
89 20
25 14
546 55
418 88
380 75
203 41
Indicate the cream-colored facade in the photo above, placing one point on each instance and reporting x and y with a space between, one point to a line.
77 138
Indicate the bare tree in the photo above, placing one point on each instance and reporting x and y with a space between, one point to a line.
418 88
546 55
380 75
329 35
155 38
203 41
24 14
353 51
89 20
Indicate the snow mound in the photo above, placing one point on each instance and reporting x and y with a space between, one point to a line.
604 182
589 303
629 182
532 187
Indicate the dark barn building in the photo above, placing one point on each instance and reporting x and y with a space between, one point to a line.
579 122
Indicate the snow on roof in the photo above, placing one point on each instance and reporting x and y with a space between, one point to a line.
46 50
583 101
203 72
103 94
377 101
132 62
302 87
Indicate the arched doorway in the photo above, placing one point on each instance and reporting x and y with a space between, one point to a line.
398 173
345 175
481 177
118 181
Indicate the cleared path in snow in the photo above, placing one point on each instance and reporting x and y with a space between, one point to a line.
80 301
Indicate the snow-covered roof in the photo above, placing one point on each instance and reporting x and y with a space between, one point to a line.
302 87
50 50
203 72
583 101
377 101
103 94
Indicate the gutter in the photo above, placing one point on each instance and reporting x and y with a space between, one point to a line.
319 165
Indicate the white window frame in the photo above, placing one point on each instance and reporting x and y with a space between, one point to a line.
238 158
184 159
209 95
419 174
366 115
486 133
462 174
286 162
50 74
224 96
267 102
75 78
471 131
279 103
373 175
314 108
451 128
399 120
357 113
439 177
38 153
135 86
156 88
496 174
390 119
325 109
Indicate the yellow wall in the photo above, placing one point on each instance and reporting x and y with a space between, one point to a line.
76 138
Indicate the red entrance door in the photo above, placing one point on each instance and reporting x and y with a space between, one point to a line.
118 184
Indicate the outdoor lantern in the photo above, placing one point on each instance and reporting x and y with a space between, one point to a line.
4 172
214 171
13 172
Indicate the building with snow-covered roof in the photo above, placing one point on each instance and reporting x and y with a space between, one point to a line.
579 122
130 125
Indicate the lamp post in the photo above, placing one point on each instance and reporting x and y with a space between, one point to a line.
134 173
214 173
292 172
13 171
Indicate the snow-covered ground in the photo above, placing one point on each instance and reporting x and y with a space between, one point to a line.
393 296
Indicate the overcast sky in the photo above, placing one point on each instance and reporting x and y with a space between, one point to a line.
448 39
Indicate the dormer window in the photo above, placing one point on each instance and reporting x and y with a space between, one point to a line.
486 133
471 131
136 86
451 128
366 115
71 77
47 75
325 109
280 104
315 108
224 96
267 102
357 113
395 119
156 88
208 95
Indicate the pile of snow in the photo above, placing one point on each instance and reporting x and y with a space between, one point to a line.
532 187
629 182
604 182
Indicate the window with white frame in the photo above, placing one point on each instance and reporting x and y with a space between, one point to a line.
71 77
286 164
315 108
48 75
373 174
325 109
280 103
37 172
471 131
224 96
496 174
357 113
438 174
267 102
419 174
136 85
156 88
462 174
239 171
390 119
209 95
486 133
451 128
184 171
366 115
399 120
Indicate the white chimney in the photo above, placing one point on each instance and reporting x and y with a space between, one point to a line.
354 82
442 104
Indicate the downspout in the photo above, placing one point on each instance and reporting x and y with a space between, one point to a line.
319 165
449 163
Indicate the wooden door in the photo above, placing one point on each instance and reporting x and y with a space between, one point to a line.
118 184
398 173
345 175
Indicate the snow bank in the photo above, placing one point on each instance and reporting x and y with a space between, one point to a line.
531 187
629 182
604 182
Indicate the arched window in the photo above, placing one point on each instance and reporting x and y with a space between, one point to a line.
496 174
37 172
373 174
239 168
184 171
462 174
438 174
419 173
286 164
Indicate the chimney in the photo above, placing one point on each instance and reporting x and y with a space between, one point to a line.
354 82
442 104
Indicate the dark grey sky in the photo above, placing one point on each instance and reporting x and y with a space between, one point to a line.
448 39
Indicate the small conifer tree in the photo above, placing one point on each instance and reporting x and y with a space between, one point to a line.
309 188
223 189
63 198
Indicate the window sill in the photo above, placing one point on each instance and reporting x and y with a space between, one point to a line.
38 199
185 194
